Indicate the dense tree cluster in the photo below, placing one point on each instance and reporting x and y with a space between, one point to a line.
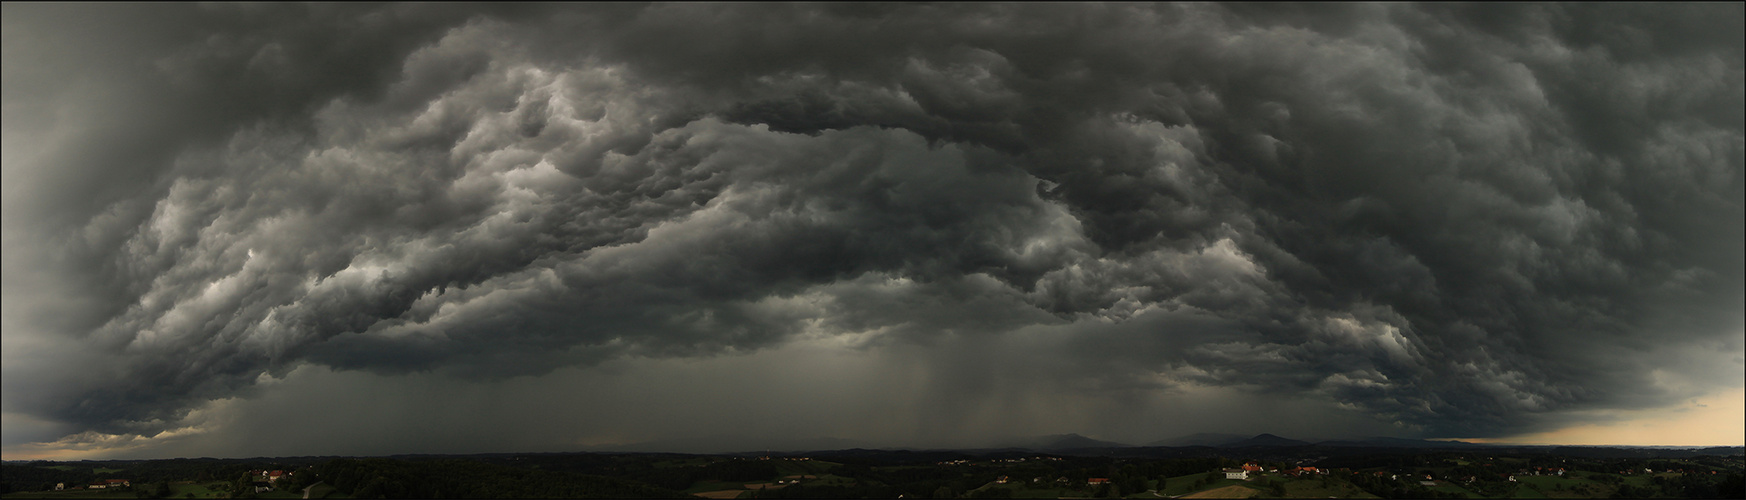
448 478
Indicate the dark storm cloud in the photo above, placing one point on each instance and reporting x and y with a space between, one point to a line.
1464 219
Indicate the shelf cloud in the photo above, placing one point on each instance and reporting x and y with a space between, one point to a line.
1463 221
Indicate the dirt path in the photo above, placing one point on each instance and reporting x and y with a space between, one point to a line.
310 487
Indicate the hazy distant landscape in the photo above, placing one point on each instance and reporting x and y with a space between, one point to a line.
1061 466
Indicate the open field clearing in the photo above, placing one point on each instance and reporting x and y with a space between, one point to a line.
1226 492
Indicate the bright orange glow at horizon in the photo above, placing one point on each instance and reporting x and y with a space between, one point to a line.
1717 420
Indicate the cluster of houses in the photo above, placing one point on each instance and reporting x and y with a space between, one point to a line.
99 485
271 476
1243 472
262 480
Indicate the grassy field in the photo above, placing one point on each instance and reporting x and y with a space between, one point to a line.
1644 481
1049 493
1566 487
1182 485
1233 491
1523 491
324 490
1448 487
702 486
1319 487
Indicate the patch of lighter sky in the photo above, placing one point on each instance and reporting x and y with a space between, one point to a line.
1709 421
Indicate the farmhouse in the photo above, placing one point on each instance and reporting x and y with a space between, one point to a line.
1097 481
1236 474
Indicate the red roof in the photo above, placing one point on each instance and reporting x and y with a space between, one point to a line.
114 481
1099 480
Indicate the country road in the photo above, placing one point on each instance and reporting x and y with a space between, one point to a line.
310 487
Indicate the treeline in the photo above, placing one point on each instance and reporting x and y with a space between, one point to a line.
39 477
453 478
44 475
679 478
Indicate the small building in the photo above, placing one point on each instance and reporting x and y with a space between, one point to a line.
117 483
1097 481
1236 474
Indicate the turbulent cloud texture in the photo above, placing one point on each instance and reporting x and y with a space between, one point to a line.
1467 220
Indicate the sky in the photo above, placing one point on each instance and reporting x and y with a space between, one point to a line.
239 230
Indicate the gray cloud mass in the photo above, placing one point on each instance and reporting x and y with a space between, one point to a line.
1465 219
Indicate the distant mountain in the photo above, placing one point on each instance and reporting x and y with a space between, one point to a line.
1063 442
1388 442
1201 439
1265 440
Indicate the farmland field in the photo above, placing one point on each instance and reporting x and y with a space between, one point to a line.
1233 491
1182 485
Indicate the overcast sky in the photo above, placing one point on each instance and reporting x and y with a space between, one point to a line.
265 229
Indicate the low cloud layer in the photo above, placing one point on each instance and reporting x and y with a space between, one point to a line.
1470 221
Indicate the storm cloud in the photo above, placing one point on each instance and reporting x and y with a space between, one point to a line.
1467 221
